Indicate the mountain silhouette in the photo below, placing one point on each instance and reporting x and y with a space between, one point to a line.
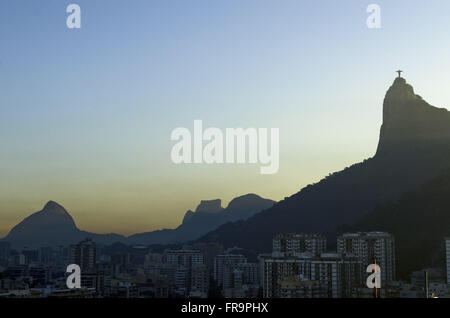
52 222
208 216
419 221
414 147
52 226
410 123
209 206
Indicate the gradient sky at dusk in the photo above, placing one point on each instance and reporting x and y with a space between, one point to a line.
86 115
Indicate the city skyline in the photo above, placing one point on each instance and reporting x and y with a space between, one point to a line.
92 131
299 266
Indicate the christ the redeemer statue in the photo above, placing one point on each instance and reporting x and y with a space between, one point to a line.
399 73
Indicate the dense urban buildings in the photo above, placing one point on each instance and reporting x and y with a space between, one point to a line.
185 261
370 247
298 267
223 264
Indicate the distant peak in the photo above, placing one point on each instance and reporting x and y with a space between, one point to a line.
52 204
245 199
409 121
52 207
400 88
210 206
47 225
399 81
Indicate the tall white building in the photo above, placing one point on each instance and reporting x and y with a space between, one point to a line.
369 247
288 244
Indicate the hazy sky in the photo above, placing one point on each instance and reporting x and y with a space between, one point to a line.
86 115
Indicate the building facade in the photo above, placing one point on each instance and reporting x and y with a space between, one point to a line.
225 263
184 260
291 243
369 247
84 254
330 275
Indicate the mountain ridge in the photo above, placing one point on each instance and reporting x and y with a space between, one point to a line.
197 223
54 225
414 147
50 225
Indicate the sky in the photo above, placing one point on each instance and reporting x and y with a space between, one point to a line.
86 114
